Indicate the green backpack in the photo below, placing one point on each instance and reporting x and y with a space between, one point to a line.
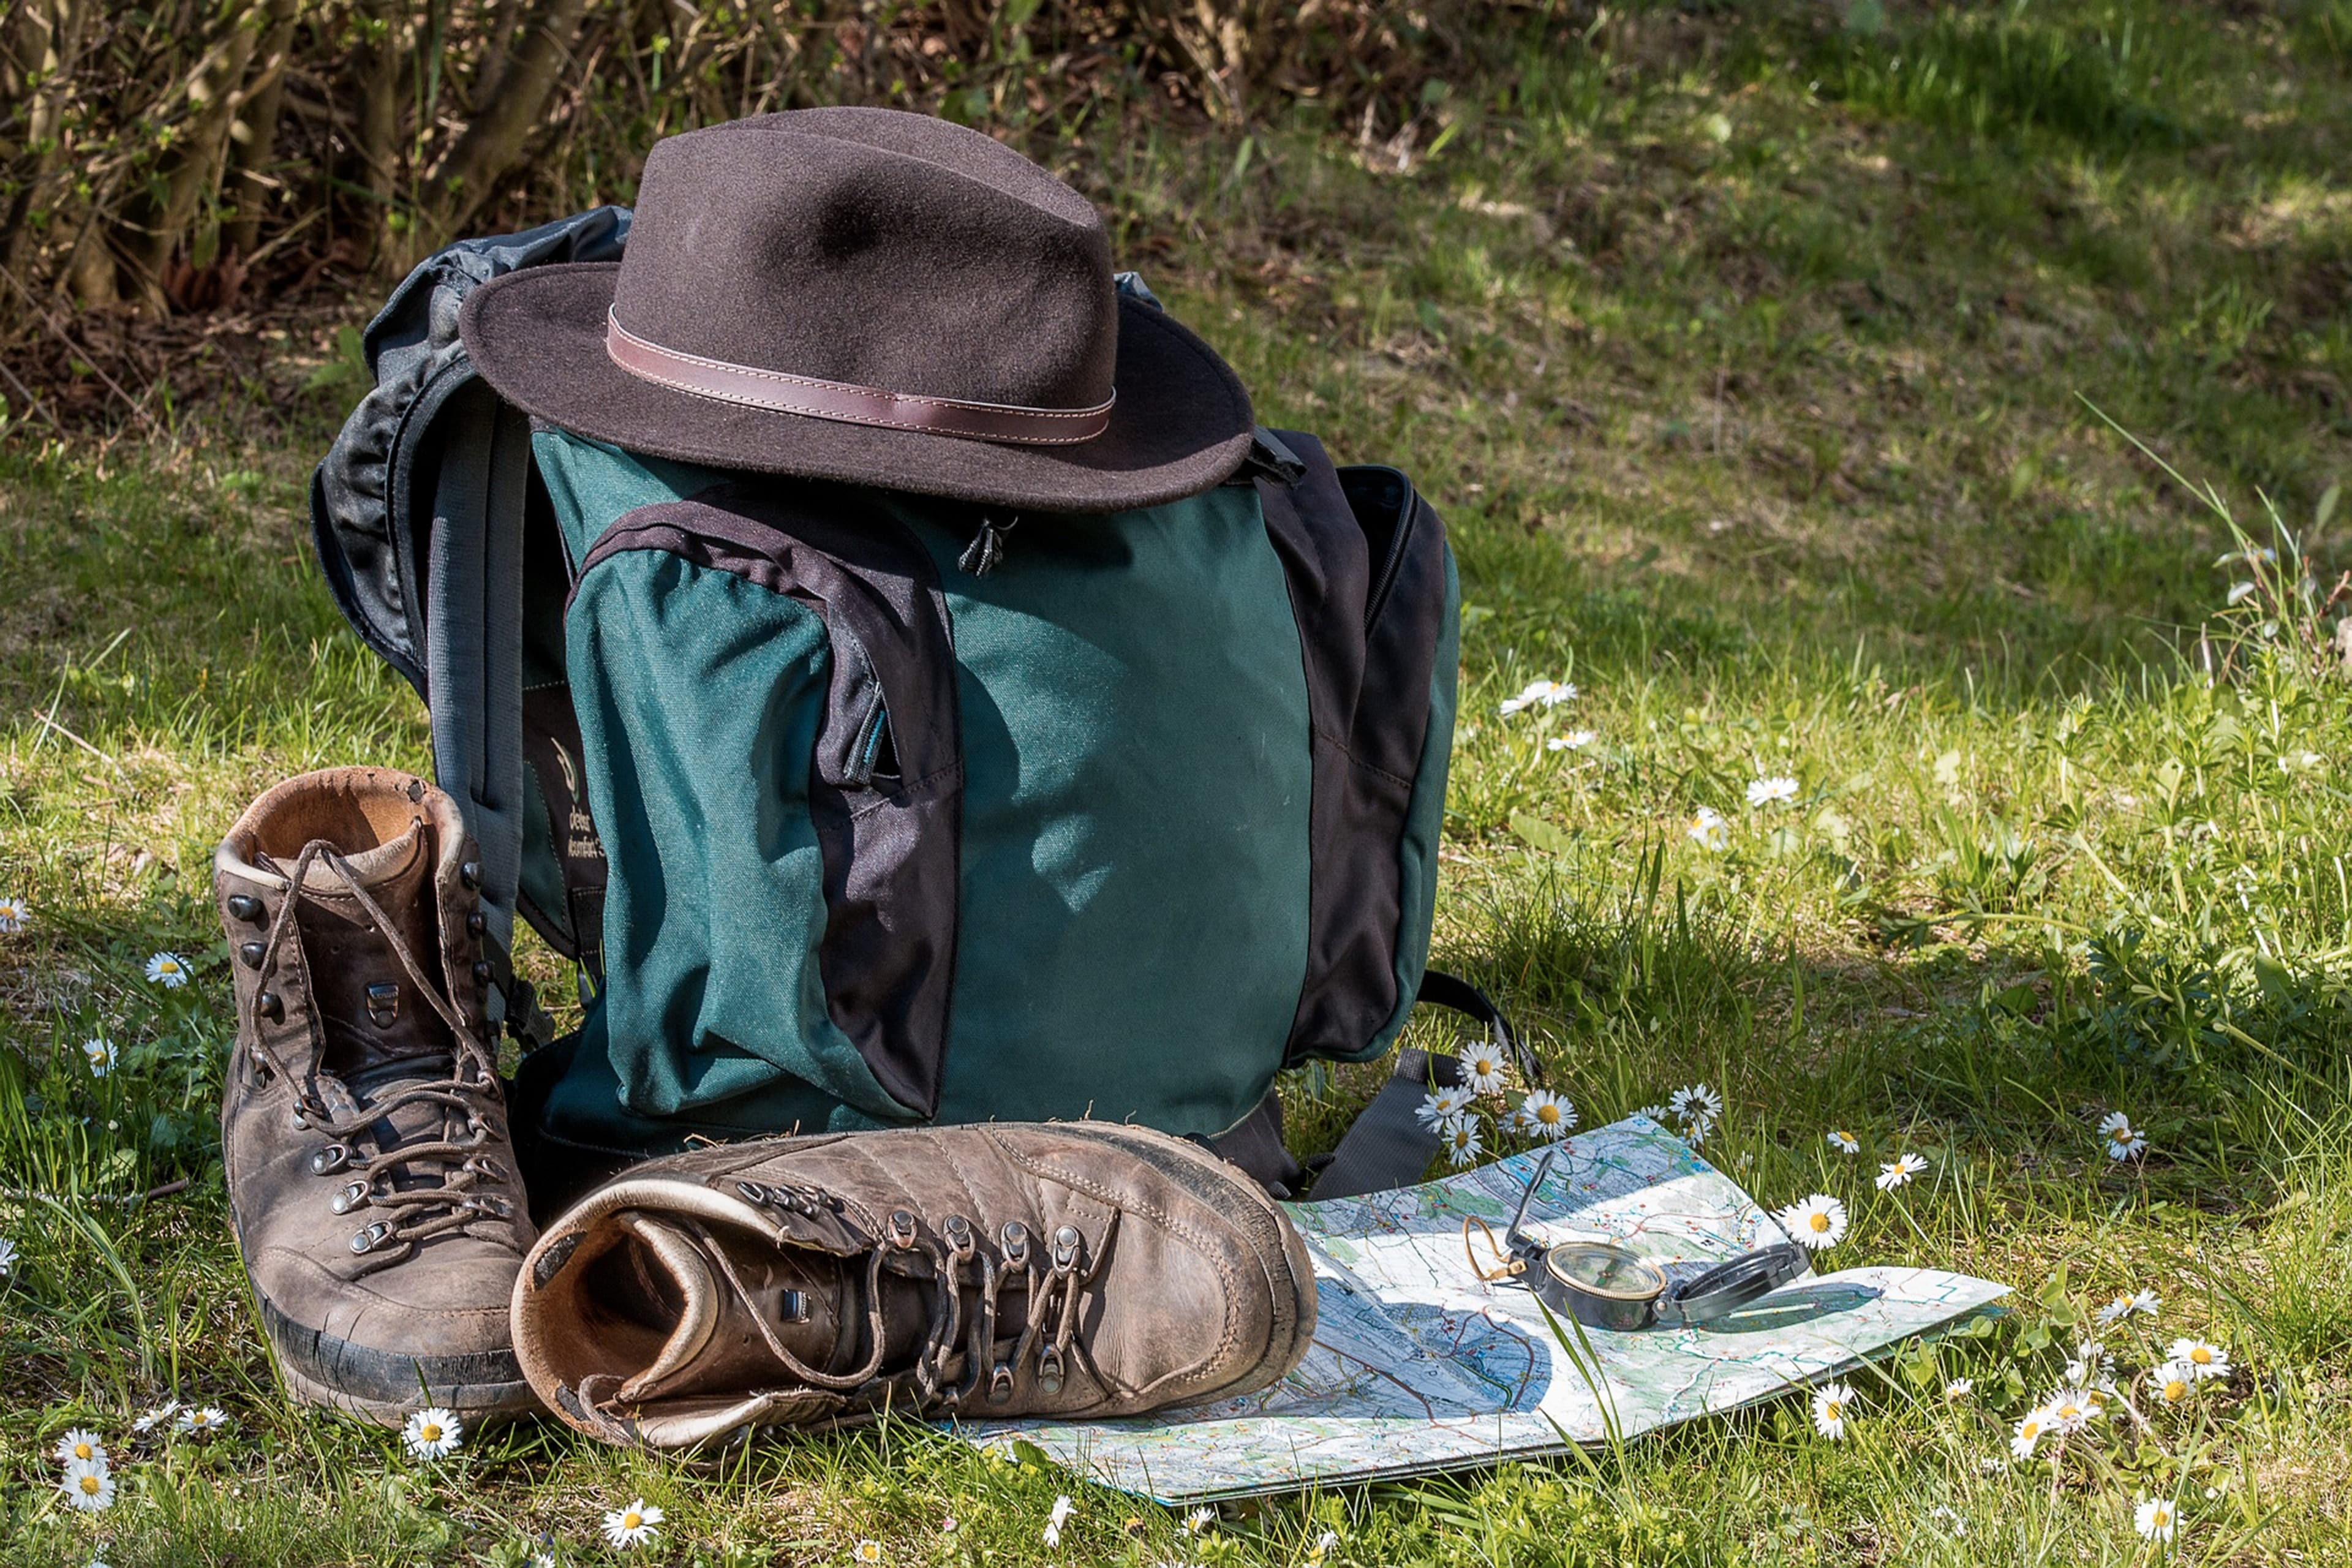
860 809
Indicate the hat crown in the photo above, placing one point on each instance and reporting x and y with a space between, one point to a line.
874 249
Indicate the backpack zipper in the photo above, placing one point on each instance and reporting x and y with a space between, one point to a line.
1394 566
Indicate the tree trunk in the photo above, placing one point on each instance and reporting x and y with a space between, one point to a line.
43 43
495 138
253 134
378 66
190 169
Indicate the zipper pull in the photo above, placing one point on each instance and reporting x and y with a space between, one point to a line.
986 550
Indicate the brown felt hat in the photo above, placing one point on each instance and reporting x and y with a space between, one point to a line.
872 296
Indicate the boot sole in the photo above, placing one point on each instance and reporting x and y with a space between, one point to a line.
485 1388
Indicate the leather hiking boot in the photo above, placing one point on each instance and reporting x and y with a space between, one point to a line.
1069 1269
371 1177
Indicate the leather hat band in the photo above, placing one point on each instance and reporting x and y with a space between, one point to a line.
757 388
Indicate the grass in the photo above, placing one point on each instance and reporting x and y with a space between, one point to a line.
1747 354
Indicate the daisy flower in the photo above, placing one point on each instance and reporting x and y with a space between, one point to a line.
100 1052
88 1486
1483 1069
866 1552
7 1256
2141 1302
1056 1519
633 1525
1657 1113
2124 1142
201 1421
1899 1173
1325 1544
2174 1381
1539 694
80 1448
156 1418
2093 1364
2154 1519
1695 1103
2032 1427
1707 829
1440 1108
1574 740
1843 1141
1831 1403
1959 1388
16 914
1463 1144
2072 1409
1816 1225
168 970
2203 1358
1764 791
1199 1519
432 1433
1547 1115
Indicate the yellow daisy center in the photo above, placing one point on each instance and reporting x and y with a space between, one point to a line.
89 1486
430 1431
1547 1113
2202 1356
1819 1222
631 1520
1832 1409
2030 1429
84 1451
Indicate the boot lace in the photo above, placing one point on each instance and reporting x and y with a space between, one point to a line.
471 1182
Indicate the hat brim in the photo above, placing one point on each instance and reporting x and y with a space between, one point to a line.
1180 424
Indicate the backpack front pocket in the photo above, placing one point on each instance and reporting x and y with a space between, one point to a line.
770 688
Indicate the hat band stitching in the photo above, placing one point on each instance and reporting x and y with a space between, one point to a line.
750 385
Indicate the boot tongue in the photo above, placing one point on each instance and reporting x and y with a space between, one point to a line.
805 1300
372 1012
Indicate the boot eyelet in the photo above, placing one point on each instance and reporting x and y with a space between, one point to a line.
475 923
1015 1237
300 1122
470 874
1049 1370
753 1192
1000 1384
330 1158
1066 1249
250 953
248 907
368 1240
959 1235
481 974
350 1198
270 1005
902 1230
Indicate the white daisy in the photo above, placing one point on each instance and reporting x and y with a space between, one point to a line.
1843 1141
1764 791
1574 740
201 1421
633 1525
2113 1122
1816 1225
2130 1147
7 1256
1199 1519
100 1052
1546 1115
87 1484
168 970
1696 1102
1831 1402
1325 1544
156 1418
1539 694
866 1552
1959 1388
2142 1302
1707 830
1059 1517
80 1448
2203 1358
2072 1409
1899 1173
1463 1144
2093 1364
2174 1382
2032 1427
1440 1108
2154 1519
16 914
1657 1113
1483 1069
432 1433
